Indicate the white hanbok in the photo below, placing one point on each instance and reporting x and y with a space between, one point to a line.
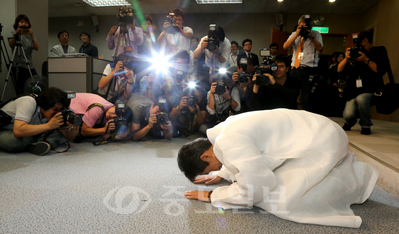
293 164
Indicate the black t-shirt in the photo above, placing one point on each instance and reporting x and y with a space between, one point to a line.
371 81
277 96
89 49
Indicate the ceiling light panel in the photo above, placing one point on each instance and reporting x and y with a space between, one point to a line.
104 3
218 1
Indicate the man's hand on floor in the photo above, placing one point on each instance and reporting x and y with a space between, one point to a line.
208 180
198 195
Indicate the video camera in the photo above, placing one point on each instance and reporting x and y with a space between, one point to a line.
261 79
68 114
213 41
265 54
125 15
354 52
120 121
171 20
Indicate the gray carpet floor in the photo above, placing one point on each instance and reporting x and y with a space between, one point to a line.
137 187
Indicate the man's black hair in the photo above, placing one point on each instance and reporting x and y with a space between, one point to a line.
48 97
61 32
178 12
234 42
183 54
220 33
85 33
148 18
245 41
189 160
249 62
366 34
282 59
272 45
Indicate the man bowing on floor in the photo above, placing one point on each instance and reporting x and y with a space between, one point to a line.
266 155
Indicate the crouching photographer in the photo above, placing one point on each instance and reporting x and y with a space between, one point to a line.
364 66
150 117
243 79
223 100
191 111
27 121
101 121
273 87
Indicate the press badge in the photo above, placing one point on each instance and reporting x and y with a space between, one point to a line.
300 55
359 83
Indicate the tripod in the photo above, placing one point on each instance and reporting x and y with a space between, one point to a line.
6 57
17 50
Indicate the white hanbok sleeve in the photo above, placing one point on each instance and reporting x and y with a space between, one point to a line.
254 178
225 174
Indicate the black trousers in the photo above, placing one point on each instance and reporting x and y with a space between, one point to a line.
302 74
23 75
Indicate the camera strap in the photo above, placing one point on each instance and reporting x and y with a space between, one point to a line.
99 105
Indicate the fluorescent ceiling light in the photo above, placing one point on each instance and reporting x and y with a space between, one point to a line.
103 3
332 0
218 1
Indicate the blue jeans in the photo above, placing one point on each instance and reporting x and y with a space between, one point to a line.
361 103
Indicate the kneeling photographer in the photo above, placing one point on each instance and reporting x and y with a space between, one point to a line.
364 65
27 121
191 111
243 79
223 100
118 79
273 87
100 118
150 117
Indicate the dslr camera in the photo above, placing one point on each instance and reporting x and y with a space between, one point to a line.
68 114
213 41
261 79
220 88
162 116
125 15
304 31
120 121
354 52
171 20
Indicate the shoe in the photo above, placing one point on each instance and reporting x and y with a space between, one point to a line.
346 127
365 131
39 148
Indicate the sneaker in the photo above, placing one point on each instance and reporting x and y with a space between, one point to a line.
346 127
39 148
365 131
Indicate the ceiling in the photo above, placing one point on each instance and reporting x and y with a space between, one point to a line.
68 8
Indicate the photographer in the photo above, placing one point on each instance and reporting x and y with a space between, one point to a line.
149 117
98 116
175 37
24 33
280 91
221 102
63 48
24 120
220 48
118 79
243 78
365 68
126 37
307 45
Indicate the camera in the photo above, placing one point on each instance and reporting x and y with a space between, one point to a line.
179 76
220 88
162 118
354 52
70 117
243 77
125 15
171 20
265 54
213 42
304 31
191 101
120 121
128 64
260 70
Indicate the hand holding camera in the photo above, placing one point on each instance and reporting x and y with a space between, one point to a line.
167 126
109 127
56 121
183 102
118 67
204 44
112 31
235 77
152 120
